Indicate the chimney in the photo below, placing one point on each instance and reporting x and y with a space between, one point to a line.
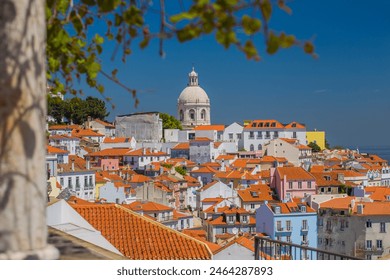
340 177
88 165
352 204
360 209
72 164
143 151
223 168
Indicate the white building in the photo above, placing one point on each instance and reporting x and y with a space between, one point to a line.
233 133
193 105
259 132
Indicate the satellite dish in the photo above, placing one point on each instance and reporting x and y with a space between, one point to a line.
234 230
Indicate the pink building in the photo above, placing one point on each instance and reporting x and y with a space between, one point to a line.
290 182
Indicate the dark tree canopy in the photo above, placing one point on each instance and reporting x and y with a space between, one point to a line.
314 147
76 110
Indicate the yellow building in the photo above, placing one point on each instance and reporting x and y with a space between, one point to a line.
317 137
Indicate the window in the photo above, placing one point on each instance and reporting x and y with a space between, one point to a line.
230 219
85 180
328 225
294 135
276 134
290 185
267 135
309 185
304 224
320 222
69 182
288 225
368 257
238 136
279 225
369 224
224 230
192 115
382 227
259 135
379 244
230 136
288 238
342 225
62 181
252 206
251 135
251 148
181 115
368 244
203 114
244 218
259 147
299 185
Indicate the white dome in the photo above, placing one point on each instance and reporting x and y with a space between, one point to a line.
193 94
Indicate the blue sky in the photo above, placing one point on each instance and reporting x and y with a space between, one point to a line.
346 91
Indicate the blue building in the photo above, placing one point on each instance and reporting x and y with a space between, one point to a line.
292 222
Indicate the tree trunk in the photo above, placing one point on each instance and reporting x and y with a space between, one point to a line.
23 230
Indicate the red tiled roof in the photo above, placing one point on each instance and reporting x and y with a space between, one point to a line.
255 193
140 238
264 124
218 127
110 152
182 146
145 152
85 133
294 173
55 150
147 206
117 140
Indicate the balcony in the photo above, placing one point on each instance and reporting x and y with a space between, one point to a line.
284 229
305 228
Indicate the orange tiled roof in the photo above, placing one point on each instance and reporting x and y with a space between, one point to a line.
226 157
243 241
110 152
85 133
117 139
338 203
255 193
55 150
201 139
206 169
147 206
290 207
324 179
182 146
140 238
378 193
294 173
64 127
145 152
264 124
294 125
221 221
375 208
218 127
273 159
289 140
80 164
138 178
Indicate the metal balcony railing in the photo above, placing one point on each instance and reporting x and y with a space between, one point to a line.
268 249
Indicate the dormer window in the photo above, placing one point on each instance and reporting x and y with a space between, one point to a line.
244 218
303 208
277 209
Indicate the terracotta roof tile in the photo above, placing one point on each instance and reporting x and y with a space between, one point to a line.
255 193
182 146
109 140
217 127
140 238
55 150
294 173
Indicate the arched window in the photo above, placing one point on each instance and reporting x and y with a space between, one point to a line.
259 147
203 114
181 115
251 148
192 114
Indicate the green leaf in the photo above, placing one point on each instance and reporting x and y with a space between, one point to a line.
308 47
250 25
286 41
266 9
107 5
226 38
250 50
98 39
272 43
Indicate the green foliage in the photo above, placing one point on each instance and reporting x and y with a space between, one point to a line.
55 108
170 122
74 51
76 110
181 170
314 147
